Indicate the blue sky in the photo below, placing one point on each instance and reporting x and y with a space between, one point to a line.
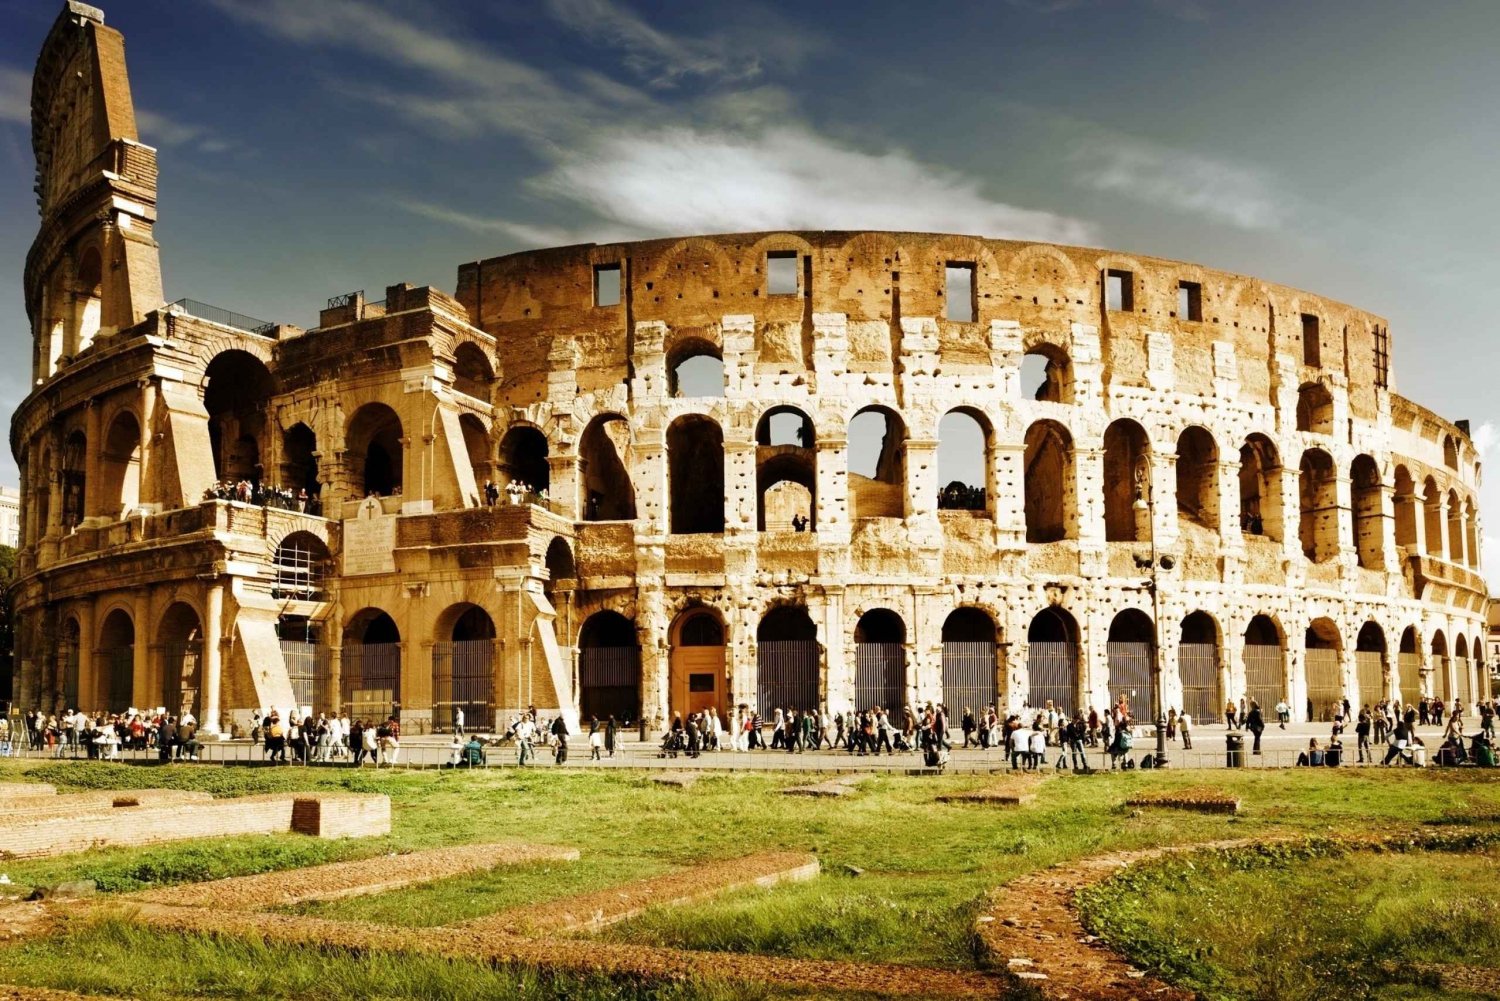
313 147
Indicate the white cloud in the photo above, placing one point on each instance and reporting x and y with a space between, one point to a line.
1177 179
540 236
661 58
159 130
15 95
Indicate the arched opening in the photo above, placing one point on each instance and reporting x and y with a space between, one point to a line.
1265 662
117 650
1432 506
1450 452
1464 689
1054 673
1406 508
1471 532
299 466
880 661
463 668
302 563
237 391
472 372
609 669
608 493
524 465
969 665
1127 478
180 639
1481 673
1198 666
1369 664
1369 520
1408 662
371 666
785 471
963 461
1442 684
786 661
1318 491
120 467
1049 483
1455 528
1315 409
698 682
1131 651
877 464
306 657
88 301
68 646
74 471
695 473
1260 488
1198 478
477 450
696 368
1047 375
374 451
1325 675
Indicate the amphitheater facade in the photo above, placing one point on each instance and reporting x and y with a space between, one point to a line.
782 469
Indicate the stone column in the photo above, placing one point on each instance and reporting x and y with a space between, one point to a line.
213 657
145 490
91 693
140 687
94 448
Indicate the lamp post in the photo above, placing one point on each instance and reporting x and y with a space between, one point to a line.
1144 501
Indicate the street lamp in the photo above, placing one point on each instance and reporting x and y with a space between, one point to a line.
1144 502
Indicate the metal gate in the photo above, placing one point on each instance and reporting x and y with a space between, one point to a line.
1465 668
1265 677
1052 670
1410 668
968 675
1132 674
68 670
120 662
306 668
786 675
462 677
1440 668
371 680
880 676
1325 683
1198 664
609 683
179 688
1369 671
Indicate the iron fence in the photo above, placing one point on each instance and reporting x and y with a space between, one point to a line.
371 680
879 676
1132 674
786 675
1053 672
1325 683
462 679
609 683
1369 674
1198 665
307 669
968 675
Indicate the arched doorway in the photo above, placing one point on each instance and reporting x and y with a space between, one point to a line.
964 460
1198 478
463 669
969 646
1260 488
609 669
472 373
1442 683
786 661
1265 662
1131 652
695 476
1369 664
180 638
1325 676
697 676
299 464
880 661
237 390
1368 501
1198 667
1052 665
1048 481
371 666
786 480
1317 487
1127 453
374 451
1408 664
117 649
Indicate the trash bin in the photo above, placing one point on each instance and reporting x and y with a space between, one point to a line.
1234 750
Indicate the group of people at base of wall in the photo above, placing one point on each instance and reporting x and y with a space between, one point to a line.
1391 725
102 736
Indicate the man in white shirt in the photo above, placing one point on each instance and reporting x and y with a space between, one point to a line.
525 732
1020 746
458 722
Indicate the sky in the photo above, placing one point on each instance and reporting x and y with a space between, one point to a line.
313 147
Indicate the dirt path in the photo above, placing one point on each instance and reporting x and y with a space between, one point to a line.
620 903
351 879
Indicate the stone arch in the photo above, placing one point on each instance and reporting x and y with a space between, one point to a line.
695 475
1260 488
880 661
695 367
608 492
1455 527
970 639
787 660
472 372
477 450
117 652
463 667
1127 479
1050 485
120 466
1368 501
371 666
1450 451
965 440
1131 653
299 463
1406 508
88 301
698 679
1265 661
179 638
877 463
1047 373
560 563
609 668
1314 408
1322 646
1198 477
1318 493
1198 666
237 390
1370 663
302 564
785 470
1432 512
523 460
374 442
70 642
1054 669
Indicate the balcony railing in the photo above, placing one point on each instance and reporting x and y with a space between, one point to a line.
223 317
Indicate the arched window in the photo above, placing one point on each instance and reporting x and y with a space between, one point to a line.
1315 409
523 462
560 565
609 494
1260 488
1049 484
1450 452
74 469
696 368
963 461
472 372
117 649
695 475
375 451
1127 479
785 471
877 464
237 394
120 467
1369 516
1432 508
1455 528
477 449
463 668
1198 478
299 464
1052 666
786 660
1047 375
1318 489
301 562
1406 508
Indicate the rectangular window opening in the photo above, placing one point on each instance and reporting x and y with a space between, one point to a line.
959 292
1119 291
1312 348
606 285
1190 301
781 272
1382 358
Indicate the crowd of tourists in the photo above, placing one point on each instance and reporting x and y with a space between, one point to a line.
255 492
75 733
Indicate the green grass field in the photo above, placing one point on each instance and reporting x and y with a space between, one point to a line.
925 868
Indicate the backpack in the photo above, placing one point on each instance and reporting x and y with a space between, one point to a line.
275 730
1126 738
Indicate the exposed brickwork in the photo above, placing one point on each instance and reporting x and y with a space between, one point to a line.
82 804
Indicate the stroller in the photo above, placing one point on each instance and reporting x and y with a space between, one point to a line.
672 744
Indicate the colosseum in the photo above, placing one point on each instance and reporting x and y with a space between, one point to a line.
780 469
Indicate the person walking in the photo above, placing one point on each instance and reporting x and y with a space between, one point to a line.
525 734
1255 724
1362 727
1229 714
1185 726
458 721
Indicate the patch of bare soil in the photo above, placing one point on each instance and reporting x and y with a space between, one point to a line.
352 879
619 903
